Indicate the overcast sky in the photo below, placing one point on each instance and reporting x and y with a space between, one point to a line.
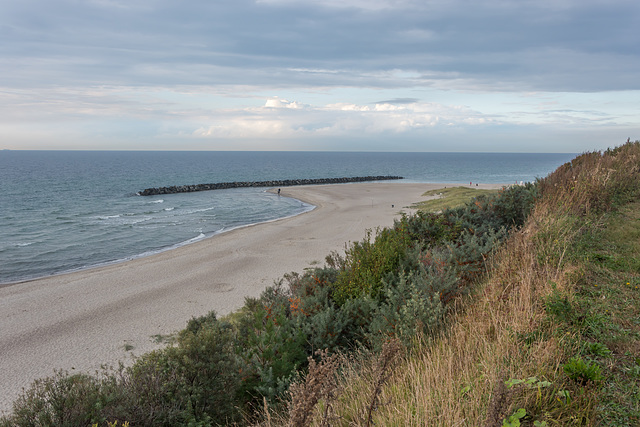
358 75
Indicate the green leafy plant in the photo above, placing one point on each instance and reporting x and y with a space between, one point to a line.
581 371
513 420
598 349
531 382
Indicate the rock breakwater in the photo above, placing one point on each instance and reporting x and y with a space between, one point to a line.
274 183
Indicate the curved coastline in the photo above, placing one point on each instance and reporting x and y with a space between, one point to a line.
79 321
163 249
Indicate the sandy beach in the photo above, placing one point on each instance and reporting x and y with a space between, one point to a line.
79 321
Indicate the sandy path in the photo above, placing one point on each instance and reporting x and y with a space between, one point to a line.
81 320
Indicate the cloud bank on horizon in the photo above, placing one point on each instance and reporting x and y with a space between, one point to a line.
363 75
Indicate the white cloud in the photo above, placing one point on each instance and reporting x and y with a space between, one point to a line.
141 70
283 103
280 118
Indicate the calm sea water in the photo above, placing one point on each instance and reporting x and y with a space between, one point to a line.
67 210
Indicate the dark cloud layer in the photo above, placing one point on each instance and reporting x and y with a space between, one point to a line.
399 101
561 45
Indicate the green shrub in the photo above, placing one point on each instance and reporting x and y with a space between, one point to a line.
469 253
271 346
339 328
194 381
429 229
198 323
507 209
367 263
60 400
411 308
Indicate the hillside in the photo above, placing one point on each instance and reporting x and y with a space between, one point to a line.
519 307
550 336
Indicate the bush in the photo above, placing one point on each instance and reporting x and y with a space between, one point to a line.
429 229
271 347
412 308
193 381
60 400
488 213
367 263
469 253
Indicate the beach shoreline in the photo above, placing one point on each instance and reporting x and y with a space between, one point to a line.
81 320
155 252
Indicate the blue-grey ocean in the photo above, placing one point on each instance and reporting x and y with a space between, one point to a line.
68 210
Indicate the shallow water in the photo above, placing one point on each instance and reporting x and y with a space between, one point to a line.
67 210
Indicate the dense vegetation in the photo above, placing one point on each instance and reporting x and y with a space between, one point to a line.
480 333
549 337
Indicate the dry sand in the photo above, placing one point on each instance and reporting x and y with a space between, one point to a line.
79 321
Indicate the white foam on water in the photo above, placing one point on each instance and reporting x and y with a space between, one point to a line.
107 217
192 211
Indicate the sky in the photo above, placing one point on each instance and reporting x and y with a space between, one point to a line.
320 75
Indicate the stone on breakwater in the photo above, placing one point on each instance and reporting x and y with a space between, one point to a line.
276 183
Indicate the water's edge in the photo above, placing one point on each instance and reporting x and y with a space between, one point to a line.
308 208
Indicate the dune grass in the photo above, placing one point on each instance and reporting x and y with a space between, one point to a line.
551 336
449 198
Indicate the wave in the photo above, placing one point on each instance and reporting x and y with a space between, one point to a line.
156 201
107 217
192 240
192 211
199 237
125 219
110 230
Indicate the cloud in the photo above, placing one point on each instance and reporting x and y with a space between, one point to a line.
283 103
492 45
374 5
278 119
291 68
399 101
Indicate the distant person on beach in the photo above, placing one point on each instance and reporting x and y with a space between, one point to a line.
278 191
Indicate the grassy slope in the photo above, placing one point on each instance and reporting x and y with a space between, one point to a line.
449 198
563 293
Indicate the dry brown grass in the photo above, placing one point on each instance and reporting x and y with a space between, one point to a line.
502 332
594 181
320 383
456 377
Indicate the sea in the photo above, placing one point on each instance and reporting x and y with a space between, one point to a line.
63 211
